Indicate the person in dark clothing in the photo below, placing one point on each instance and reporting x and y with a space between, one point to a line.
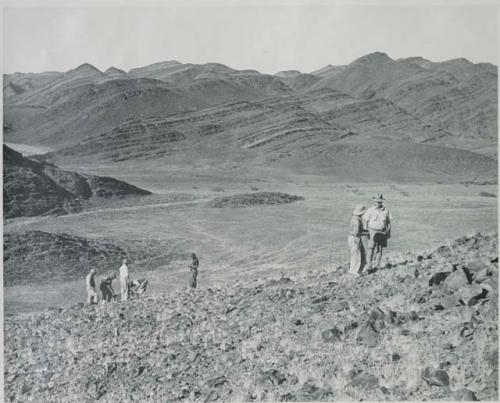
138 287
92 297
106 288
194 271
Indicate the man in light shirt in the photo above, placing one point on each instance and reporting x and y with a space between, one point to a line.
124 280
378 223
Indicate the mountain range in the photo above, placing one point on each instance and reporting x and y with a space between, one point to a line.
445 112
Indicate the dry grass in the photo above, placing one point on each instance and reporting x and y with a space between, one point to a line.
258 241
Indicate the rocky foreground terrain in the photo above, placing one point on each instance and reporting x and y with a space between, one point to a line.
423 327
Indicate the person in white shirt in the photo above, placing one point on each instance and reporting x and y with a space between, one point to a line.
92 297
377 221
124 280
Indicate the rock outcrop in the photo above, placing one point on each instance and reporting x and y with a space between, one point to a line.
33 188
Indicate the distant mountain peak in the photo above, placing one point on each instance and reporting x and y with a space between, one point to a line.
327 70
84 69
114 71
459 60
375 57
418 60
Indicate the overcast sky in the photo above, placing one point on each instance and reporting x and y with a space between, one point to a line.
265 38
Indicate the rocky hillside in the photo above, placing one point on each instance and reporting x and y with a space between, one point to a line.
457 96
328 132
33 188
425 327
451 103
37 257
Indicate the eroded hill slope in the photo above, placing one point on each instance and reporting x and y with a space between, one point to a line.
33 188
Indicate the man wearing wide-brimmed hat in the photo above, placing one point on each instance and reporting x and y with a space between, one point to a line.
378 222
357 250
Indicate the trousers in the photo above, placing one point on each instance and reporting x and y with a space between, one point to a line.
124 288
358 255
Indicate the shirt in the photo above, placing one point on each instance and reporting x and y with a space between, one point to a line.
123 272
90 281
107 281
377 218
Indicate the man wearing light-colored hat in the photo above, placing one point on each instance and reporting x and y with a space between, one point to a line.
378 222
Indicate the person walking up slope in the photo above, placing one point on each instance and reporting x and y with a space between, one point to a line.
124 280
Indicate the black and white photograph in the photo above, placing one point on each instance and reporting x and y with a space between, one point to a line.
250 201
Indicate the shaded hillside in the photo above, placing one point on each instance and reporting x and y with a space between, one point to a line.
268 127
39 257
182 75
456 96
451 103
280 126
296 80
323 130
16 84
65 115
364 160
178 73
85 101
32 188
423 328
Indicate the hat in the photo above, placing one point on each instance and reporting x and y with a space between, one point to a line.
359 209
379 197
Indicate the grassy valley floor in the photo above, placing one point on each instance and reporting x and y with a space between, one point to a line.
256 241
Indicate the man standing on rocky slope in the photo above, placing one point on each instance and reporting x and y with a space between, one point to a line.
92 297
124 280
193 267
357 250
106 288
378 222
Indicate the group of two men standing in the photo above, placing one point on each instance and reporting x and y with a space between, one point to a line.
374 222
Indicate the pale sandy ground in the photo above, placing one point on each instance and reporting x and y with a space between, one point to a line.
246 243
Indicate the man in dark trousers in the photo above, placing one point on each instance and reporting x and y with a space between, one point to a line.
378 223
106 288
193 267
